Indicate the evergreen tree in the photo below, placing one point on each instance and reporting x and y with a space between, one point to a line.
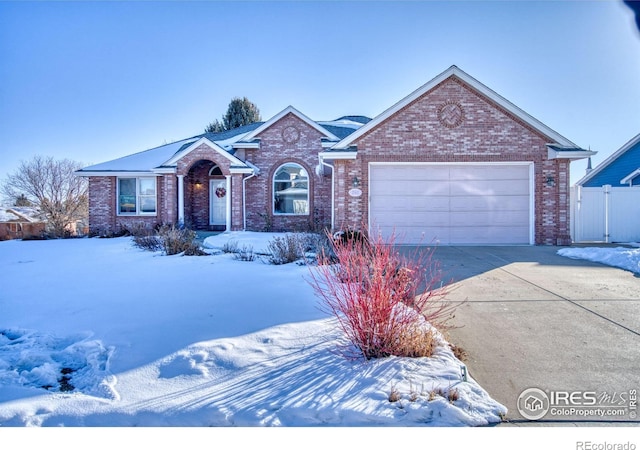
214 127
22 200
240 112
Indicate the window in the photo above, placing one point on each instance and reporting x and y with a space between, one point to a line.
136 196
291 190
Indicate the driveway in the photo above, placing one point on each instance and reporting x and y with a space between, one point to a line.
533 319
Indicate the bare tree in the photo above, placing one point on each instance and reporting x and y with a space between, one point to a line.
52 186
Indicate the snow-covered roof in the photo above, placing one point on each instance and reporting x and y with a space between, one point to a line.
144 161
20 214
163 158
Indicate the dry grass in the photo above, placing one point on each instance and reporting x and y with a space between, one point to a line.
394 395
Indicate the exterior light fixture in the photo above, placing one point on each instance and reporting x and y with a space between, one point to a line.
551 181
355 182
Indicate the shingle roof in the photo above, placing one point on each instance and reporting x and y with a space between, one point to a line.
156 158
224 135
359 119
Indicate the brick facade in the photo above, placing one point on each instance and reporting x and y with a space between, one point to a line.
274 151
450 123
486 133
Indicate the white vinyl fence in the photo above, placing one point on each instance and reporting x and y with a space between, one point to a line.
605 214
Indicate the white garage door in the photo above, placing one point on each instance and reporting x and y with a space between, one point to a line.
452 203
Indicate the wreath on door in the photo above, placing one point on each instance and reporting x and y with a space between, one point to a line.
221 192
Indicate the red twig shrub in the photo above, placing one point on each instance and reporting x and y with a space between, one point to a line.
385 303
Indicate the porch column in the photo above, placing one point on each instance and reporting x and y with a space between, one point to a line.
181 199
228 198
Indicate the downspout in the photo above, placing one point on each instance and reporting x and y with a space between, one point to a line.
244 200
333 193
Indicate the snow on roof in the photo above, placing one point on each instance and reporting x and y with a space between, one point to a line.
143 161
7 216
342 122
20 214
147 160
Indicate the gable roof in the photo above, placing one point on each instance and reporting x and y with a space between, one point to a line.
454 71
290 110
29 214
163 158
631 144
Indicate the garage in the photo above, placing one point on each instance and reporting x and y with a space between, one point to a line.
444 203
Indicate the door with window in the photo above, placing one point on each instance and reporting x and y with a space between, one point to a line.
218 202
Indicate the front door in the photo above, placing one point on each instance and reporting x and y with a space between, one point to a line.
218 202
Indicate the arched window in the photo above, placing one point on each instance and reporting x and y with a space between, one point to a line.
215 171
291 190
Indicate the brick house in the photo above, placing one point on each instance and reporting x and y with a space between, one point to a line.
453 163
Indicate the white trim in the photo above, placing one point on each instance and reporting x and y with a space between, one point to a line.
615 155
473 83
532 218
290 109
273 191
214 167
181 154
138 213
569 154
338 155
228 204
241 170
246 145
629 178
119 174
164 170
181 199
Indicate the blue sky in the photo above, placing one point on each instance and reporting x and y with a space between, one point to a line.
92 81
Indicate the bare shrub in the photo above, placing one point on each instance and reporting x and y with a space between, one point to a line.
144 237
177 240
386 304
394 395
286 249
151 242
170 239
230 246
244 253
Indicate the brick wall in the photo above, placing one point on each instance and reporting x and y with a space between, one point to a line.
483 133
103 217
195 167
273 152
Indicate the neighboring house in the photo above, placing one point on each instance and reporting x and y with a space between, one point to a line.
606 201
453 162
21 222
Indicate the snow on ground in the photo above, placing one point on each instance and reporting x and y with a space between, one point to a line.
95 332
622 257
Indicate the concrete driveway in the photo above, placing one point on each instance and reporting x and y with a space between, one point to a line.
533 319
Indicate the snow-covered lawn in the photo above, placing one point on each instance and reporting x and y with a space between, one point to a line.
622 257
95 332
